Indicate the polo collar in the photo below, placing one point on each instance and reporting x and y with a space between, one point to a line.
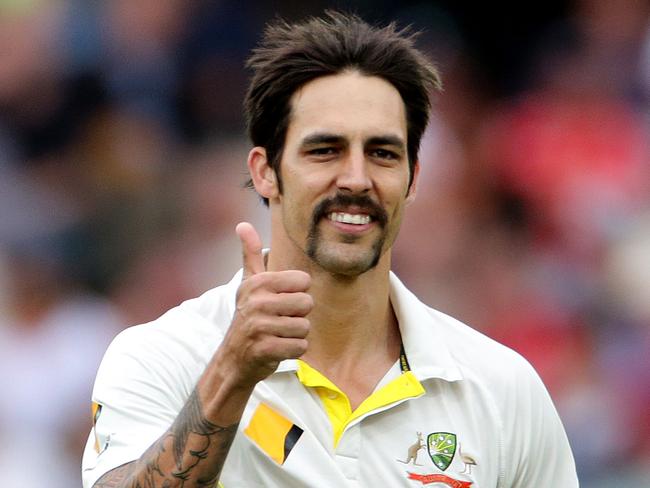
423 335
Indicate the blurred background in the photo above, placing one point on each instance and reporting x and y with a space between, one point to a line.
122 159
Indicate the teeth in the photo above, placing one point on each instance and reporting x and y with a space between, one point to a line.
346 218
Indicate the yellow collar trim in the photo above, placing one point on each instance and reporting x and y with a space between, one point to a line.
337 405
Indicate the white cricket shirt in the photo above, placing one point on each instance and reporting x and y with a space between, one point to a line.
470 413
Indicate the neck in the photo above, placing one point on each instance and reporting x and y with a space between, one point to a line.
353 325
352 319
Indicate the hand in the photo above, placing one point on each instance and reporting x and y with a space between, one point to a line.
270 322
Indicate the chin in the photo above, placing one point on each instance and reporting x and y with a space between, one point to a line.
344 262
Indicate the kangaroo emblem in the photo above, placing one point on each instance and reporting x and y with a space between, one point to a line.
412 455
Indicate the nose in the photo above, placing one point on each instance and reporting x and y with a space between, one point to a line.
354 176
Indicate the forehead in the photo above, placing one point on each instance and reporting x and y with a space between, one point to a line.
349 104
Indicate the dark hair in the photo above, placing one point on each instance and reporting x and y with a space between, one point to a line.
290 55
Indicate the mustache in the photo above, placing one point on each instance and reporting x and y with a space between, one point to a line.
342 200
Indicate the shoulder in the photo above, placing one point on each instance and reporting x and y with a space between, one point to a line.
178 343
481 358
474 349
190 324
500 388
439 342
501 380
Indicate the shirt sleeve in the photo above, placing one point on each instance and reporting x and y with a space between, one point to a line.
138 393
537 451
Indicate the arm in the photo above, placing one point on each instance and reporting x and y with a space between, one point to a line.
269 325
539 454
190 453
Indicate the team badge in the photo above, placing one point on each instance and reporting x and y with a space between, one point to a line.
441 447
444 449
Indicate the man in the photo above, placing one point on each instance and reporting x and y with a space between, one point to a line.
315 366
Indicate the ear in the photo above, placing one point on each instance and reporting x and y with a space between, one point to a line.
263 176
410 196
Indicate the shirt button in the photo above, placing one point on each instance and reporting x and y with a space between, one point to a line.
332 395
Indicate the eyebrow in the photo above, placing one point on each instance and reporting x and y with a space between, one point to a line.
386 141
327 138
322 138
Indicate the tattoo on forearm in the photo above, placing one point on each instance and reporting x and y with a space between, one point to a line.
189 455
117 476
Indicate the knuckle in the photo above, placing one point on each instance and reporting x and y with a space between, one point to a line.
255 281
262 350
309 301
304 302
303 325
261 280
254 302
243 311
298 279
258 302
304 279
307 278
299 347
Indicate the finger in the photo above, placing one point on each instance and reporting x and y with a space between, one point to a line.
281 348
289 327
251 245
288 304
294 304
287 281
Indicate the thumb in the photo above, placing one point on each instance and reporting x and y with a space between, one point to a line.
251 245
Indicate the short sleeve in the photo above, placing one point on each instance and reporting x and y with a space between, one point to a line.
537 451
139 390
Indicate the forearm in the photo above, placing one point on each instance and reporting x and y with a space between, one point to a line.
269 326
190 454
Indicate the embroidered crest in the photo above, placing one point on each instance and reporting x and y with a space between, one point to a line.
444 449
441 447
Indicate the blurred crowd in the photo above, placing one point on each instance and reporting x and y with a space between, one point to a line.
122 163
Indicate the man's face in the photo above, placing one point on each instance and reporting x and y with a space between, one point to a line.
345 171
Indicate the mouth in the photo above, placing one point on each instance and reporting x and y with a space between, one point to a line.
350 215
349 218
348 212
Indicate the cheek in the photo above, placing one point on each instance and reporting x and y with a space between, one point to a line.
305 191
297 205
397 199
396 217
300 179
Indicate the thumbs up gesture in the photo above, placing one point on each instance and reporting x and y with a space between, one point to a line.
270 322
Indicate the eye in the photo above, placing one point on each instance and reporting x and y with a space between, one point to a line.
384 154
322 152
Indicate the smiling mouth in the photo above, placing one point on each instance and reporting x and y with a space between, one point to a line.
352 210
349 218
